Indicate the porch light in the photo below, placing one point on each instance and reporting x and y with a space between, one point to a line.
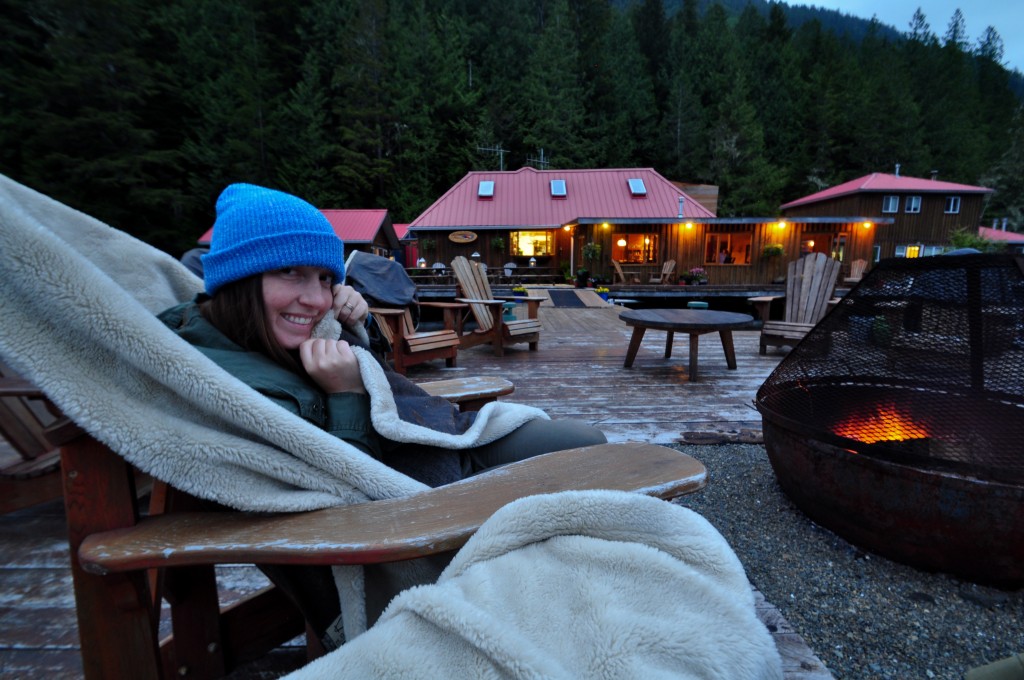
867 225
781 225
533 262
621 243
565 228
421 263
604 226
475 256
689 225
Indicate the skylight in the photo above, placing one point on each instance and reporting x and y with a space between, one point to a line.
486 189
636 186
558 188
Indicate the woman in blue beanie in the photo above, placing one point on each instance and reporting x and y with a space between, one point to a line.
274 271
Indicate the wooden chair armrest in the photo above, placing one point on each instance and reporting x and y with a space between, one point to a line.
473 390
388 530
473 301
386 311
443 305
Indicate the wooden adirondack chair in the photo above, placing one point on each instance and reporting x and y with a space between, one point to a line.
810 283
113 549
34 429
410 346
475 291
857 268
622 277
666 273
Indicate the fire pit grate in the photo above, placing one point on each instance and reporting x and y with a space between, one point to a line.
915 378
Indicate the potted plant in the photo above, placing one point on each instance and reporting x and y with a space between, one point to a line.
773 252
498 243
427 244
582 274
591 251
519 291
698 276
602 292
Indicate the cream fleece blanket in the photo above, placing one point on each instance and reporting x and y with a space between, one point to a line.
579 584
77 317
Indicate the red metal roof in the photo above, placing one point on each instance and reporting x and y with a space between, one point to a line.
523 199
878 182
351 226
1000 235
401 230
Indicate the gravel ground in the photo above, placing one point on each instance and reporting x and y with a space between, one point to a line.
863 615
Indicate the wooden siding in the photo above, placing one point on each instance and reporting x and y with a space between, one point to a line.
931 226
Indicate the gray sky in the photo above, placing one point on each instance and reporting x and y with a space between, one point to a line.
1006 16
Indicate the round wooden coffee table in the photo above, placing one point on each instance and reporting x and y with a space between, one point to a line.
694 322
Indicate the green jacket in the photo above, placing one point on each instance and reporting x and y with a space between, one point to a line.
345 415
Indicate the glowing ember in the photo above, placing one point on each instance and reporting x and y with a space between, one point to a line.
883 423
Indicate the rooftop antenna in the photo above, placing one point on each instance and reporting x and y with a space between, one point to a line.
543 162
498 150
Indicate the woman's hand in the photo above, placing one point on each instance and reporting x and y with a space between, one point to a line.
349 306
332 365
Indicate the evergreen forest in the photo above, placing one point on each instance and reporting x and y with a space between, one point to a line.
139 113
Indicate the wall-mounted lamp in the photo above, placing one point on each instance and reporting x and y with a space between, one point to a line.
866 225
475 255
533 262
780 225
565 228
605 225
689 225
421 263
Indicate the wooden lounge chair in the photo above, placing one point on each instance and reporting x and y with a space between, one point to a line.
622 277
857 268
486 309
112 549
810 283
665 276
410 346
34 429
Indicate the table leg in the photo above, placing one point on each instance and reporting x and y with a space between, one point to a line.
730 352
694 346
668 345
634 345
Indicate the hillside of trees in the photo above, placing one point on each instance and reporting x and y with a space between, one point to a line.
139 113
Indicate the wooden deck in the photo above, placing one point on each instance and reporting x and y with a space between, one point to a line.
577 373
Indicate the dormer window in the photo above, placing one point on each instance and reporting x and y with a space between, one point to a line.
558 188
485 190
636 187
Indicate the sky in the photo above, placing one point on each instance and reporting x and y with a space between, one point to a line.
1006 16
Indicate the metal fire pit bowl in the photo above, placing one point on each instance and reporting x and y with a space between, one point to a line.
898 423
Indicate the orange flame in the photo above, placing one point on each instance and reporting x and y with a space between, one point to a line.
885 422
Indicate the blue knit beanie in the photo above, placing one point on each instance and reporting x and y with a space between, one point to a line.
260 230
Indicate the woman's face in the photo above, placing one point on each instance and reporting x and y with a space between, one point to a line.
294 300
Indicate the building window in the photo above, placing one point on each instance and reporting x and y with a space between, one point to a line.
635 248
890 204
531 243
727 248
913 204
928 251
952 204
909 251
876 253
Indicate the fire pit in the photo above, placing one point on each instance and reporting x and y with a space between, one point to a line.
898 422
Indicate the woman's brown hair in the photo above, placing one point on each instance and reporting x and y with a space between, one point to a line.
237 312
